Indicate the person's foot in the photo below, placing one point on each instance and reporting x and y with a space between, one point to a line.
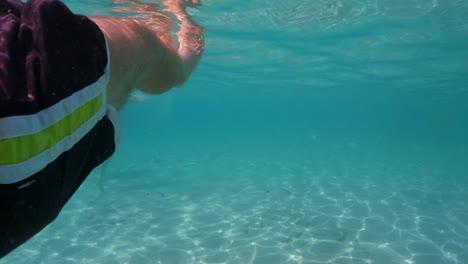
193 3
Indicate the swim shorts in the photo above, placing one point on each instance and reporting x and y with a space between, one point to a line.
55 124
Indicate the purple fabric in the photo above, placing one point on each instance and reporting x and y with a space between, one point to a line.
46 54
9 26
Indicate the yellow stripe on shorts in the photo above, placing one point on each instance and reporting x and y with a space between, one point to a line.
22 148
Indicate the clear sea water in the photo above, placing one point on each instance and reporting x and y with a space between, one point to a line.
313 131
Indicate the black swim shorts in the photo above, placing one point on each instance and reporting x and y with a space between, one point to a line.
55 124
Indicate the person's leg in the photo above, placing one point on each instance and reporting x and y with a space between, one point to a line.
100 174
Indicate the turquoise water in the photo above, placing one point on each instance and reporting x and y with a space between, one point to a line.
312 132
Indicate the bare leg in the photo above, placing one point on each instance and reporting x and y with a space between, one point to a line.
101 171
144 52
